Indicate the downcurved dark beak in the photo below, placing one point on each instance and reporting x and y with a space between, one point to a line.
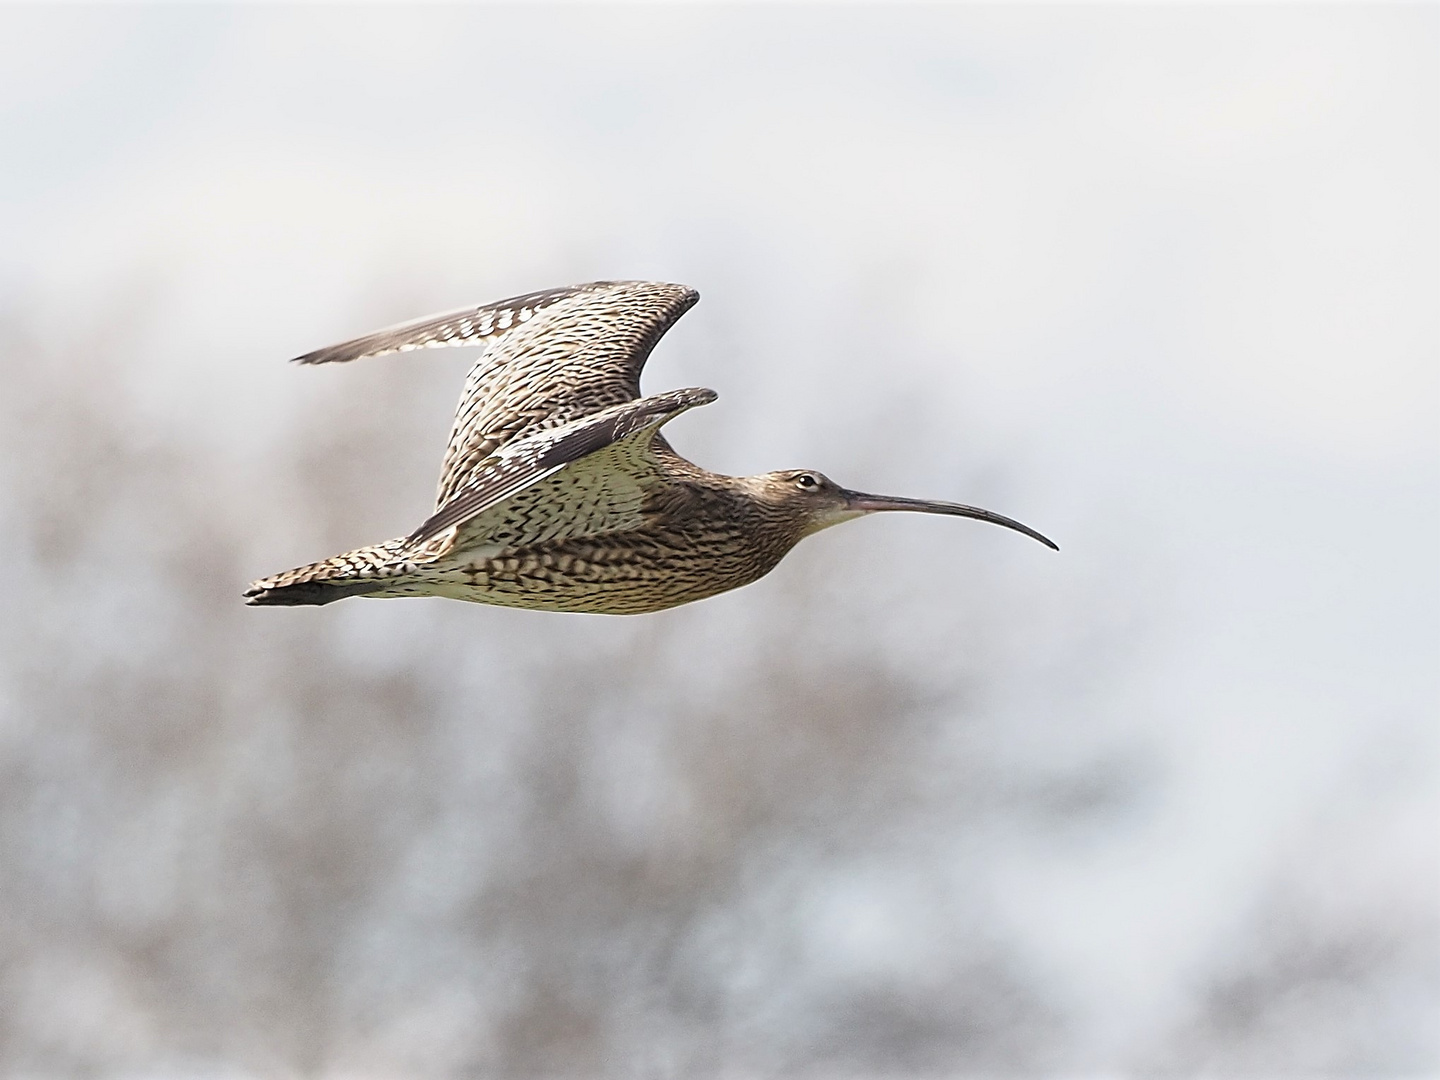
869 504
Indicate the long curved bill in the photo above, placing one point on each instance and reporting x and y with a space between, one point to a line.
869 504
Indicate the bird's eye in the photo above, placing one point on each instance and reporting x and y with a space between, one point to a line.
806 482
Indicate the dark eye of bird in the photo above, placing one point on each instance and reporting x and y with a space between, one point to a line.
808 482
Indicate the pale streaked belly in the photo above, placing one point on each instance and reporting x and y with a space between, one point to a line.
612 579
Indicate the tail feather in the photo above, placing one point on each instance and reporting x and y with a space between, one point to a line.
365 570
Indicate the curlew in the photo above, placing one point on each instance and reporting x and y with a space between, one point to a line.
558 492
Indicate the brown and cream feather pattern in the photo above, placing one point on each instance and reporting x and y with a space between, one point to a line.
556 491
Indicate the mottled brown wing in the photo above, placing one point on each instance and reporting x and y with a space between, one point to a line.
580 354
466 326
553 356
565 481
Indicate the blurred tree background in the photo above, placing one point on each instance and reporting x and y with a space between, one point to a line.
927 801
473 839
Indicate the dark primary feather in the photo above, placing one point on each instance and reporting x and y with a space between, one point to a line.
309 593
528 461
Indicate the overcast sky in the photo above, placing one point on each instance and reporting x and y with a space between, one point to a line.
1165 279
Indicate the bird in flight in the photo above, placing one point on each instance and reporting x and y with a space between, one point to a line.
558 492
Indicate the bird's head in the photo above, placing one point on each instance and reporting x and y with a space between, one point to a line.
810 501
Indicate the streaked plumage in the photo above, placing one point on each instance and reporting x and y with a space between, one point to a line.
557 491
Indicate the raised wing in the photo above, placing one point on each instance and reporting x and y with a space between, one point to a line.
554 356
592 464
466 326
581 354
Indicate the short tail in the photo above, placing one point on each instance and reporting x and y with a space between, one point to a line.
365 570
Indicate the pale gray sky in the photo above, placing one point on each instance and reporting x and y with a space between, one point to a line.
1163 279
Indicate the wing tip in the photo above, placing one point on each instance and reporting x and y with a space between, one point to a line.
695 396
686 296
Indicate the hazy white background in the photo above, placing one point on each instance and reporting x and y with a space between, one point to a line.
1161 282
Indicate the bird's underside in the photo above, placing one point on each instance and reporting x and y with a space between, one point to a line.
605 532
557 492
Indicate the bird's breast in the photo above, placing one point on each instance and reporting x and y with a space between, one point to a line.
618 549
641 570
